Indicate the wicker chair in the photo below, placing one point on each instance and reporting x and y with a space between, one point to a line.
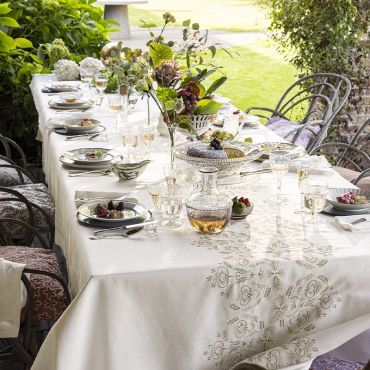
47 293
307 108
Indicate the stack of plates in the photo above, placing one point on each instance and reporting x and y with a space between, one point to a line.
336 208
133 213
89 158
59 87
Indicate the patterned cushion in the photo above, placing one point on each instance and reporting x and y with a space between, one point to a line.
9 176
325 362
36 193
50 301
287 129
351 175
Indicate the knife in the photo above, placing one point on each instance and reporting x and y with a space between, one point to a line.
125 227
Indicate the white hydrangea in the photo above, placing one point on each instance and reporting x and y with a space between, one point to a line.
92 63
66 70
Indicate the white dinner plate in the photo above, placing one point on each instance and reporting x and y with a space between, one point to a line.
76 105
131 211
73 124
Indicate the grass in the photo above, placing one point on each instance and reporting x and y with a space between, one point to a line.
228 15
257 77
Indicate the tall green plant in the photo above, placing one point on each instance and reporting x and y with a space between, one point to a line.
324 36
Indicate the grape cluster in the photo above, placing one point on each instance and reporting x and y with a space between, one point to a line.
215 144
166 74
190 100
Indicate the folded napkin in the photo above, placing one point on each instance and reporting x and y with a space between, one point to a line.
12 299
345 222
82 196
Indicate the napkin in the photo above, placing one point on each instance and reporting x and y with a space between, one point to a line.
12 300
82 196
345 222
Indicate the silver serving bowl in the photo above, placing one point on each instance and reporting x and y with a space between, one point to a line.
334 193
226 166
128 171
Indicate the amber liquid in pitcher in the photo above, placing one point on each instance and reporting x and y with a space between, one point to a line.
208 225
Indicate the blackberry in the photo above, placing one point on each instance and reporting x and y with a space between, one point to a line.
215 144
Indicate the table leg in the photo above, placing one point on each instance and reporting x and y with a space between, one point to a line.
118 13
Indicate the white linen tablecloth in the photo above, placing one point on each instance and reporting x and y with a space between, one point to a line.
266 290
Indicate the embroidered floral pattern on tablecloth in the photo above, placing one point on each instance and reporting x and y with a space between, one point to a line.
253 274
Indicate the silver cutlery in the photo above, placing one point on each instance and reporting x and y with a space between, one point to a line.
92 172
102 199
82 136
360 220
247 173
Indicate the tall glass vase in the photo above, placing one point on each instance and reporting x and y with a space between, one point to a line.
172 132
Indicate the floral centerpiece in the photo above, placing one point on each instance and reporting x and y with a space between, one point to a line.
66 70
93 64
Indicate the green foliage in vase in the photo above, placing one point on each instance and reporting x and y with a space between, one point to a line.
324 36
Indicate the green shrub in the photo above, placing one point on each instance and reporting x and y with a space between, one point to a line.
324 36
78 23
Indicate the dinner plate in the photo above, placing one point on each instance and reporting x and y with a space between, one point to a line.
132 211
67 132
68 160
73 124
81 156
330 210
333 193
268 147
80 105
87 221
58 88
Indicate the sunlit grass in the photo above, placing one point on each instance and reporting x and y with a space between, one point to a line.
229 15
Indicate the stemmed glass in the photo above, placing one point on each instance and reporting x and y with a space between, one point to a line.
279 164
116 105
87 76
129 139
101 83
147 135
304 167
314 198
171 204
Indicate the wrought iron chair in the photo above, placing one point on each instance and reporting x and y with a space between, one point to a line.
47 293
361 139
12 151
349 161
16 203
307 108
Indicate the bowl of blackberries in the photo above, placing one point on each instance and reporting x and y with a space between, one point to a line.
242 207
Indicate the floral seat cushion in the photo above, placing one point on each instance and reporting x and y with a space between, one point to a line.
325 362
9 176
49 298
287 129
35 193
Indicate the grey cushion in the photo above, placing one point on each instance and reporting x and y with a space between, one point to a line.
9 176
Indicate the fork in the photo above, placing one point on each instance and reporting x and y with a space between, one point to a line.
360 220
82 173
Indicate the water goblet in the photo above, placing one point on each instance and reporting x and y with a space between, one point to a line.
117 105
171 205
129 139
304 167
147 135
279 164
314 198
101 83
87 76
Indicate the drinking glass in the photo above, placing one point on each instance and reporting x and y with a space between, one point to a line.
170 177
101 83
87 76
147 135
155 189
117 105
129 139
171 204
133 97
279 164
314 198
304 167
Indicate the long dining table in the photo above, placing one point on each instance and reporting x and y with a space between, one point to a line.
185 301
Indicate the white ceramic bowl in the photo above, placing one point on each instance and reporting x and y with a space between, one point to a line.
128 171
72 124
334 193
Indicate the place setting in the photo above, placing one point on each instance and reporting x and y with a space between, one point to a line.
71 102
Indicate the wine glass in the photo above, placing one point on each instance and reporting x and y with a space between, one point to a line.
279 164
133 97
147 135
101 83
116 105
129 139
87 76
314 198
304 167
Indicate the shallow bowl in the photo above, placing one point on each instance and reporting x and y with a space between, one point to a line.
334 193
240 213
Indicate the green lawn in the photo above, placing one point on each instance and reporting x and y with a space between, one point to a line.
257 77
229 15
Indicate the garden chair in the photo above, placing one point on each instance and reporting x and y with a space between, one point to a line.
307 108
349 161
32 206
47 293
